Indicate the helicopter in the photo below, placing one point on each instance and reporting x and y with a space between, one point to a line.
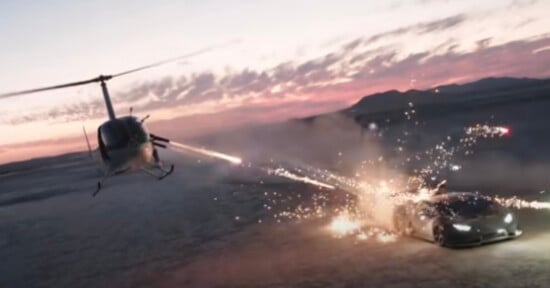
124 143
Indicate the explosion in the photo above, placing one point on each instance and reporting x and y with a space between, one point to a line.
370 214
343 225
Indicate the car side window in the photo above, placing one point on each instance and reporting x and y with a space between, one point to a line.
427 209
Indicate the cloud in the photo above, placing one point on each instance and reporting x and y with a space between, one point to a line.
69 112
345 74
525 22
483 43
522 3
422 28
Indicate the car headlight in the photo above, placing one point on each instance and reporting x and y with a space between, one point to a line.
508 218
462 227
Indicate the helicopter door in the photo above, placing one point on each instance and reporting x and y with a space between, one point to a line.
135 129
102 149
113 135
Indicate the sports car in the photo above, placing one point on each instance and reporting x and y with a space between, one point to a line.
456 219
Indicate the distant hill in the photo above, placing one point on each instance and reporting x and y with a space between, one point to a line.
520 101
485 91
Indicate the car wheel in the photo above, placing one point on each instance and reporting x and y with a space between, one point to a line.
439 235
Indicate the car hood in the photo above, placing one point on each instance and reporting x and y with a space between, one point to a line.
488 221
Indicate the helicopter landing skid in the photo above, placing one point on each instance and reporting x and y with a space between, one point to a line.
164 175
145 170
107 175
166 172
99 185
97 190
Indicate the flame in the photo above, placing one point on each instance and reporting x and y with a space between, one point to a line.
210 153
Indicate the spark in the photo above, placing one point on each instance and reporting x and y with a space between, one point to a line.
486 130
343 225
210 153
386 237
503 130
455 167
373 126
287 174
362 236
518 203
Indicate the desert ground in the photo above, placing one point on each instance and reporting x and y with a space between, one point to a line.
206 226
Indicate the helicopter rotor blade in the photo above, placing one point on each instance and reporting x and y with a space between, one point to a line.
66 85
105 78
108 77
166 61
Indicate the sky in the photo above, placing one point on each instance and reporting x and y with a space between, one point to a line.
266 61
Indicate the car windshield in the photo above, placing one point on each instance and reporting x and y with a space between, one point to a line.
468 206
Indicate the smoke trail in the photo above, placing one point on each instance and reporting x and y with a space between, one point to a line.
281 172
205 152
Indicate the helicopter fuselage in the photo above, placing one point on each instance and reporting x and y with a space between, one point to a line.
125 144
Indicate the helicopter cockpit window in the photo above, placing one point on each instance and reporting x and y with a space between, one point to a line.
135 129
114 135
